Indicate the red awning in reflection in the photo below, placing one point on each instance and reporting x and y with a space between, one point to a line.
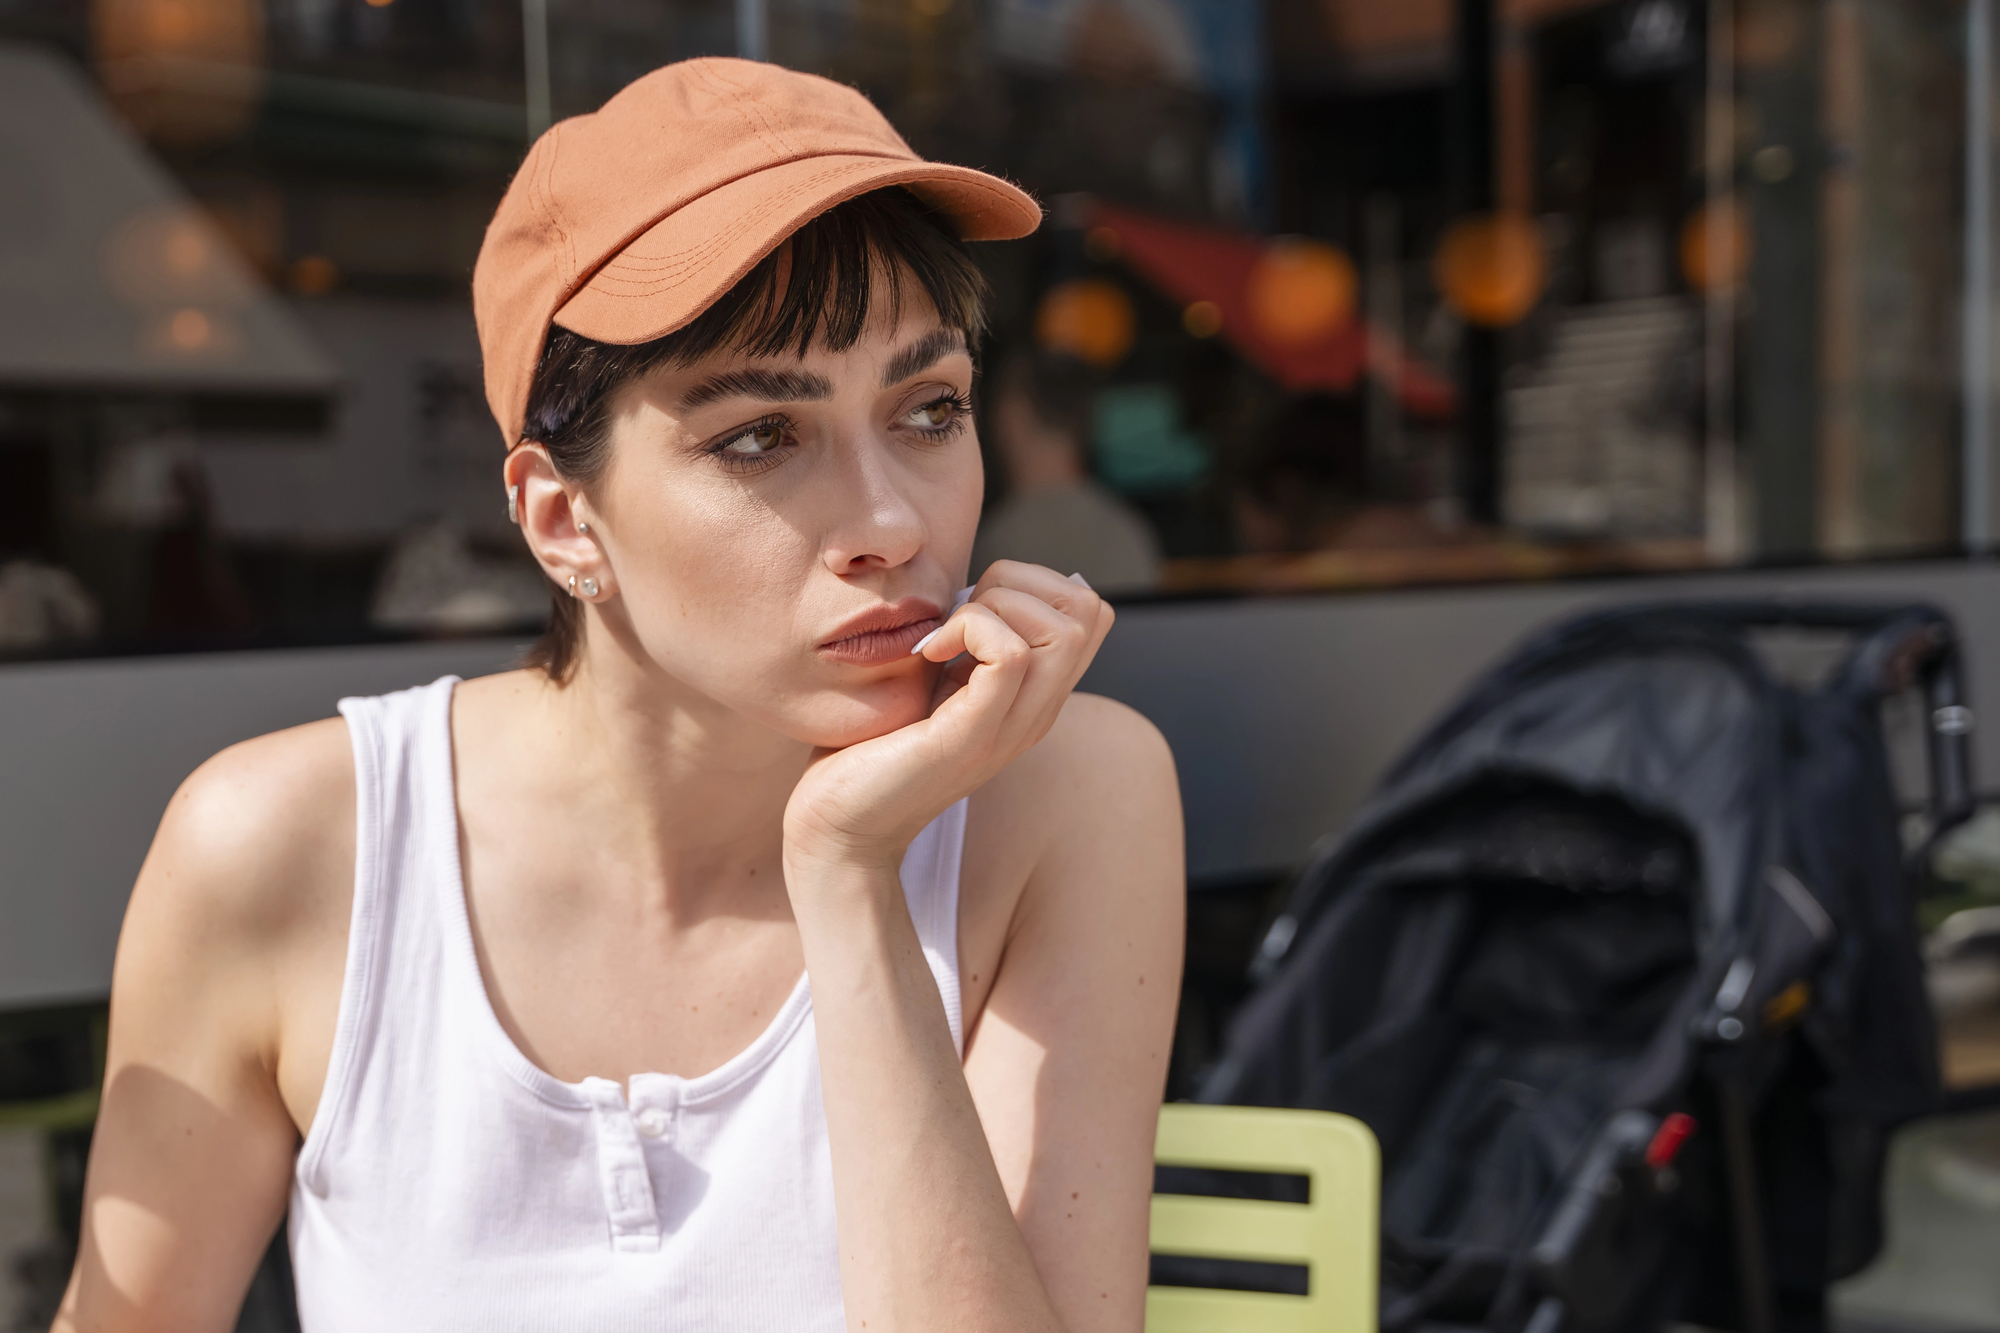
1191 263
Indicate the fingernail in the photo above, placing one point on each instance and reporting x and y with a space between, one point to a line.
1078 580
925 641
964 596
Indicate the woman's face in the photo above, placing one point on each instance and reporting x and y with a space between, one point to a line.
780 531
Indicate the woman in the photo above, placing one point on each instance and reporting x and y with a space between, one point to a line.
502 987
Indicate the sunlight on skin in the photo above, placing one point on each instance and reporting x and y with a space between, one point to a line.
137 1265
708 552
721 795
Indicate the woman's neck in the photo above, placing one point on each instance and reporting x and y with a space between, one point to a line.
685 796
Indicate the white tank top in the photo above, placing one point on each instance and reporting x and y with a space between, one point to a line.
448 1183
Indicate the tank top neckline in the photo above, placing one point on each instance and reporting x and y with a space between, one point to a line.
693 1089
448 1182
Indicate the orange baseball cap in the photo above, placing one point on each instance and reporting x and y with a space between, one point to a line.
625 224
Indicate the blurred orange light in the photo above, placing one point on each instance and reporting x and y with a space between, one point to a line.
1203 319
185 251
171 256
189 330
1301 291
1088 318
314 275
183 72
1490 267
172 22
1715 245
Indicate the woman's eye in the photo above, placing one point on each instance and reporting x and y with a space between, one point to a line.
759 439
935 415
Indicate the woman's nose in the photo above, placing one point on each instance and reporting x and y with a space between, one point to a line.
878 524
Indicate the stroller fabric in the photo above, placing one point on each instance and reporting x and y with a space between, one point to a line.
1630 877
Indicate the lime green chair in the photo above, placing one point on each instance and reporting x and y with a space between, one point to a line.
1333 1234
75 1110
50 1116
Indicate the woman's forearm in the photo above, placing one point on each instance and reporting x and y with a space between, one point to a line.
927 1239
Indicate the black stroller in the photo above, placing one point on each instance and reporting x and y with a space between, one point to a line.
1620 963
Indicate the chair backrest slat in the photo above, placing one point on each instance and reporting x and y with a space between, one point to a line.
1248 1229
1333 1235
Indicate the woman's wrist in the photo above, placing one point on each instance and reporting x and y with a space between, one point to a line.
823 849
843 875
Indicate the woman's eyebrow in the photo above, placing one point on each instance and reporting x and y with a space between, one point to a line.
921 355
778 386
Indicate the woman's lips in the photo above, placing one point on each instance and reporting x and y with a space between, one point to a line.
884 635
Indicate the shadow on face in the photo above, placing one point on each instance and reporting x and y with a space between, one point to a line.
781 530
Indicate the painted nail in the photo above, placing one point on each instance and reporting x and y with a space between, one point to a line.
1078 580
964 596
925 641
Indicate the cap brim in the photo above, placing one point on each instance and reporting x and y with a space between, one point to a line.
676 269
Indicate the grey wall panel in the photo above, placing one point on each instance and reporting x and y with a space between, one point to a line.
90 752
1282 713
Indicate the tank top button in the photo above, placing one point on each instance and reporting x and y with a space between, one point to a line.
652 1122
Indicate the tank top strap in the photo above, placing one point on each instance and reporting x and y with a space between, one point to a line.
930 886
402 769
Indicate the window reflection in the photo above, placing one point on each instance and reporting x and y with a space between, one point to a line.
1333 293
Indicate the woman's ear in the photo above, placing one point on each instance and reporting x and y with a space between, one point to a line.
553 521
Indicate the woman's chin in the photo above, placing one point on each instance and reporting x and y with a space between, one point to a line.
845 719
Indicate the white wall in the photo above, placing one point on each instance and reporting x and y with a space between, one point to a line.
91 751
410 438
1281 713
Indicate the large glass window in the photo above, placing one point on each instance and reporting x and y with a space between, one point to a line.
1333 293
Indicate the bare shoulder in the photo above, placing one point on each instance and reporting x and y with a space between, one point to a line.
1075 856
1101 762
258 836
229 963
1092 726
1087 821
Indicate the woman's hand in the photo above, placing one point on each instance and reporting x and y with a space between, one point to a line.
1025 638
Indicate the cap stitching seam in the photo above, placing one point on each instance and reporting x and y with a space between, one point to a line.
564 230
658 268
739 104
698 254
771 124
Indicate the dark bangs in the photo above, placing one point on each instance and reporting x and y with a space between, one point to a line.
817 289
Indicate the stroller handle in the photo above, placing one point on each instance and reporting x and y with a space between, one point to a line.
1900 646
1948 738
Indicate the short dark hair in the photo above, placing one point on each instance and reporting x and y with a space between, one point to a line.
816 288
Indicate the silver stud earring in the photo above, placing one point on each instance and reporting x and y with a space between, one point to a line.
514 504
590 587
584 528
572 585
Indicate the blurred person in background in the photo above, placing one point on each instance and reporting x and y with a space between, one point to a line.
440 579
193 588
785 946
1305 485
41 606
1055 513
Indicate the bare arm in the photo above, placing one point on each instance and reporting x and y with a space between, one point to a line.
1070 1056
1069 1060
192 1155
